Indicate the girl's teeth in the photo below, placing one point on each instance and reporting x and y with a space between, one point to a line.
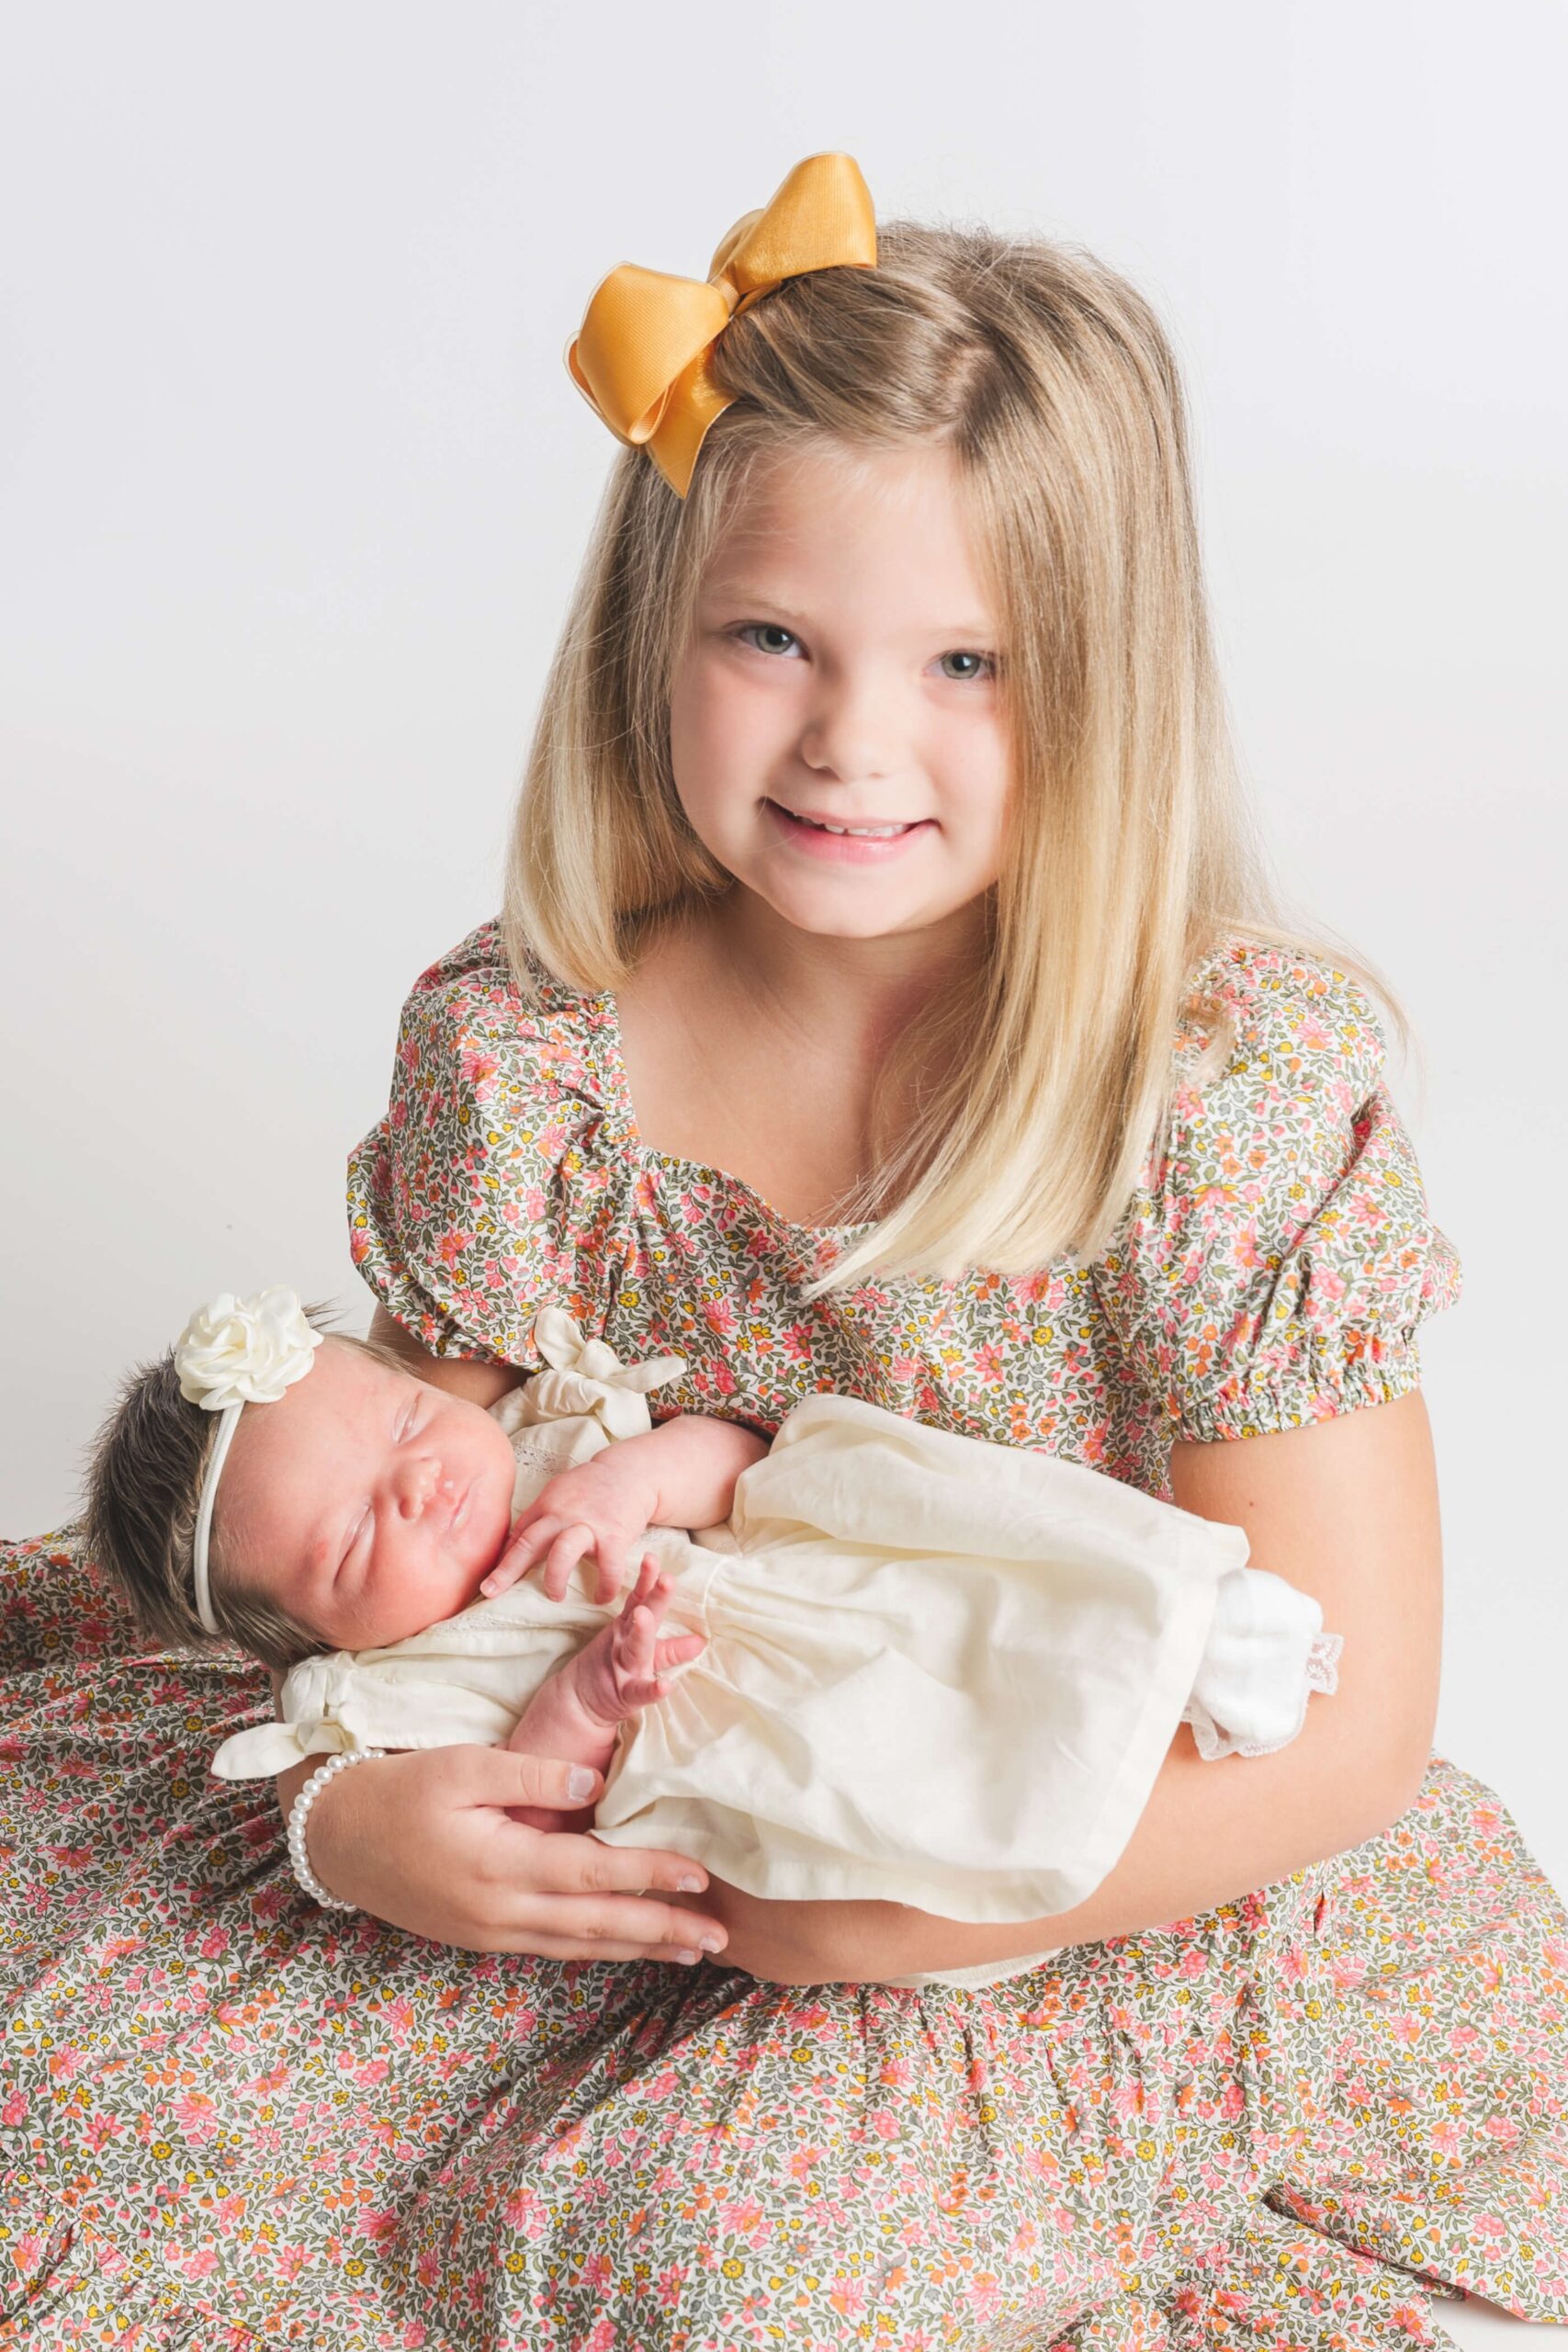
857 833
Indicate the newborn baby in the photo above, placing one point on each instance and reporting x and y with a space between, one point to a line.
891 1662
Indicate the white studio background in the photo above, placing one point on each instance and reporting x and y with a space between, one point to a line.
294 485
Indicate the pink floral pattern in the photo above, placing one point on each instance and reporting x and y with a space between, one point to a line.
1272 1267
228 2119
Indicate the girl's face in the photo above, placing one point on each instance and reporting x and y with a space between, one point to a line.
364 1502
843 669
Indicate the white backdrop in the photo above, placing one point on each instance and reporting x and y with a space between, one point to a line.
295 486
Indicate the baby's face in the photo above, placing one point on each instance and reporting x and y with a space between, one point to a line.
365 1502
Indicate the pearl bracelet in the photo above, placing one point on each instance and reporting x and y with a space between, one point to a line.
299 1814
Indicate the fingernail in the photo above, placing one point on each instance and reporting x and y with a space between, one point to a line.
581 1782
710 1943
689 1885
686 1959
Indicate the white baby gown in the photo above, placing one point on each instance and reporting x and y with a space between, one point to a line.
939 1672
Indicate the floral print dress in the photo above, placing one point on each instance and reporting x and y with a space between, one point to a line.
229 2118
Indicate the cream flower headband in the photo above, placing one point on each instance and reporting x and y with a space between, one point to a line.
234 1352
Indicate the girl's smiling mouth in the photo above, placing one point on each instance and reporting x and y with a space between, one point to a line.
873 847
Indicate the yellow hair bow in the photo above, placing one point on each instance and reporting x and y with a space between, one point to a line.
640 357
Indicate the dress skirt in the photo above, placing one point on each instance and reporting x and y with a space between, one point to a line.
229 2118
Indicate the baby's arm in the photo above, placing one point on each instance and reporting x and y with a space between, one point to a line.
574 1717
681 1474
696 1460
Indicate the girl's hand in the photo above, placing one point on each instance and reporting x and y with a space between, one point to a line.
424 1840
602 1506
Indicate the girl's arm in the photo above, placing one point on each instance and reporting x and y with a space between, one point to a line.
482 1383
1347 1509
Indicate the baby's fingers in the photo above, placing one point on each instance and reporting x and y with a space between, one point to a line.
612 1576
564 1555
633 1642
504 1575
644 1663
652 1587
522 1548
612 1573
679 1650
640 1691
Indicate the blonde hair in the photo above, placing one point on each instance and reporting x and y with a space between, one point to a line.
1130 851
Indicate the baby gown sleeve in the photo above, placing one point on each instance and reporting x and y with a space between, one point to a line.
1277 1263
488 1189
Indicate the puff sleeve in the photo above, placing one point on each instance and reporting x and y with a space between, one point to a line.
495 1183
1276 1263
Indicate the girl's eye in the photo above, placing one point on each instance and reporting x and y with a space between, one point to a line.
986 665
769 637
767 629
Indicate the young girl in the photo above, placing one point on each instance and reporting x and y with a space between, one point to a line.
887 1003
918 1613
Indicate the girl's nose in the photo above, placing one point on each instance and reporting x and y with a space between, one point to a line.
849 732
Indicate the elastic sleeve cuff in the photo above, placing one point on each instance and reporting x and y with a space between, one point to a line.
1321 1384
395 1287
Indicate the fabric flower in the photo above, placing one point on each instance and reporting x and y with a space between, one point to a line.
245 1350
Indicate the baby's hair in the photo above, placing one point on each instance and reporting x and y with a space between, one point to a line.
1046 1074
143 1492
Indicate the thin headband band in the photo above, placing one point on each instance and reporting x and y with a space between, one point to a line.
228 1422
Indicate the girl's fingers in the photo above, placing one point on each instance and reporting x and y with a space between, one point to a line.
561 1862
563 1948
514 1778
592 1922
649 1929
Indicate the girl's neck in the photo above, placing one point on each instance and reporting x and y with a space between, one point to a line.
853 989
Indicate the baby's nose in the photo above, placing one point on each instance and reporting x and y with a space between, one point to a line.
417 1484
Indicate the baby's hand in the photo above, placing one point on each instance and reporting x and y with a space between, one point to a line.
595 1507
623 1668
